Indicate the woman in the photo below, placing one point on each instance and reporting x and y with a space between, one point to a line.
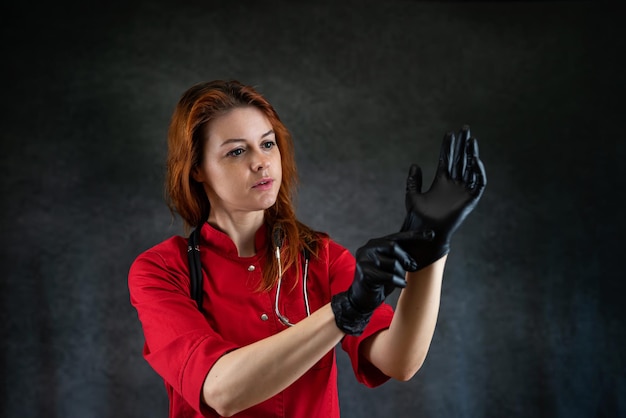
277 295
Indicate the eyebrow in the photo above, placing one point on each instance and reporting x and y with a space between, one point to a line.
232 140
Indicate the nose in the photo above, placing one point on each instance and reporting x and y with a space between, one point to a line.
260 162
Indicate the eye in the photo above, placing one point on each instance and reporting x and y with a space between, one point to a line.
268 144
235 153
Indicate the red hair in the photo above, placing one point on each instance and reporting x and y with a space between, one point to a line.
197 106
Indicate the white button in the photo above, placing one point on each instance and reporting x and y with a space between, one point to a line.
264 317
251 268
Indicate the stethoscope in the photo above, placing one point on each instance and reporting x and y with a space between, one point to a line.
195 272
277 236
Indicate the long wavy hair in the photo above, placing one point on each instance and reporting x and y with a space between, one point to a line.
186 197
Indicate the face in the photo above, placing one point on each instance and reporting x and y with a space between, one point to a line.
241 168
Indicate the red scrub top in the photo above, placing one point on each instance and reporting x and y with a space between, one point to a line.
182 344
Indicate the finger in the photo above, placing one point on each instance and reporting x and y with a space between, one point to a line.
390 257
481 175
398 281
473 148
421 235
460 160
404 261
414 179
478 168
470 180
396 264
380 276
469 175
446 154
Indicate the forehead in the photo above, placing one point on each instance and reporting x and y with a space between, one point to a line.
238 123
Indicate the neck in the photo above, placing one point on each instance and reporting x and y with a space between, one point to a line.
240 228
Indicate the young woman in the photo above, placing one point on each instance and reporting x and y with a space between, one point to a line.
277 295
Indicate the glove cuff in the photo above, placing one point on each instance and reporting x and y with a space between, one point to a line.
347 317
425 253
434 254
428 249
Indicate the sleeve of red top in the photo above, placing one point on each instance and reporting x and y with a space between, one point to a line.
180 345
341 271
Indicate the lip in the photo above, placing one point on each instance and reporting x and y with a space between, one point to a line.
264 184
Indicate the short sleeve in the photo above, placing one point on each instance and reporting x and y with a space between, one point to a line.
341 271
180 344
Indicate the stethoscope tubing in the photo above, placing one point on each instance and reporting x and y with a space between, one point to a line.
283 319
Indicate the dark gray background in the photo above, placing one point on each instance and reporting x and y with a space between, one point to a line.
532 315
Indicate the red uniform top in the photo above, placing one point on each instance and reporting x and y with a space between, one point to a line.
182 344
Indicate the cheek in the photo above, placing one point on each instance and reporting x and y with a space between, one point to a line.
216 181
279 166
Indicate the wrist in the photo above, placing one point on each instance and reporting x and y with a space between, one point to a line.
425 252
348 317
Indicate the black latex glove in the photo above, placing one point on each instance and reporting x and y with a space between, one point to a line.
456 189
380 268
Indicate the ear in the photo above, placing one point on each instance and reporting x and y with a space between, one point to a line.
197 174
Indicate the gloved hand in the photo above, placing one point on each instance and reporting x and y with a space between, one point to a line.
380 268
456 189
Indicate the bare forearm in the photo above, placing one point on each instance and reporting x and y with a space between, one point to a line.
400 350
252 374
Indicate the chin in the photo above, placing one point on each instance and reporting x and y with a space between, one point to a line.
267 203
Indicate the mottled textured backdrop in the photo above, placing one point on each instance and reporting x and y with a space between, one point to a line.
532 320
